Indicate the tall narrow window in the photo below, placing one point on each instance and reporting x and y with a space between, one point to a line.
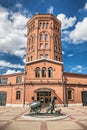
28 58
41 45
46 56
58 49
46 45
18 95
56 58
43 72
50 72
59 59
46 37
41 25
55 48
41 55
18 79
37 72
70 95
31 58
47 25
32 39
41 37
3 81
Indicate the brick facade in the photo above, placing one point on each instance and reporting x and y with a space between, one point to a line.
44 75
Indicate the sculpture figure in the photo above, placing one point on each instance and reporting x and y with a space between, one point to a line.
51 108
35 106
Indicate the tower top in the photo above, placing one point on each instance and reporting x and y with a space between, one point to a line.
44 38
46 16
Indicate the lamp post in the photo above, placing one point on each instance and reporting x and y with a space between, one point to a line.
24 89
64 90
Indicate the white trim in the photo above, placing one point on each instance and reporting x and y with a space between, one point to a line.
44 59
74 105
69 105
14 105
59 105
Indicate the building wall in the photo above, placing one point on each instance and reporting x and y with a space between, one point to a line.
67 87
53 83
11 87
77 83
56 68
30 91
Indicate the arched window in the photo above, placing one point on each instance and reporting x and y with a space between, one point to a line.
18 79
46 37
41 37
58 49
47 25
56 58
18 95
41 25
50 72
59 59
43 72
37 72
32 39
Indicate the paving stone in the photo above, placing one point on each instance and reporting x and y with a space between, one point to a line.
11 118
63 125
24 126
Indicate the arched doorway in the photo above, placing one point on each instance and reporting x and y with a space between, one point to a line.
45 94
3 96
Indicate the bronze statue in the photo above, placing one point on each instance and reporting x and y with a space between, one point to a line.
35 106
52 106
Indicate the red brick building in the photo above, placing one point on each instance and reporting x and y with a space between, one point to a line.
44 75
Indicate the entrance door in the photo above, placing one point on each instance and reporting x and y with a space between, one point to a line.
45 95
3 96
84 98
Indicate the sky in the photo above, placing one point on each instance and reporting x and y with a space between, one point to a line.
14 15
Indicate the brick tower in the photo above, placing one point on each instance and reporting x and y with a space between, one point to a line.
44 38
43 58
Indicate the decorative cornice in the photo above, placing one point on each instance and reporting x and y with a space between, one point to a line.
44 59
43 16
10 84
9 75
44 83
76 84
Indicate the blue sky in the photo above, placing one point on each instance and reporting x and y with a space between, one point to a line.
13 17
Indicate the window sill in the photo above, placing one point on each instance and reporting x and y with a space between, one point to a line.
70 99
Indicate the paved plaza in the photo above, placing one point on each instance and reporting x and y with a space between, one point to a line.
12 118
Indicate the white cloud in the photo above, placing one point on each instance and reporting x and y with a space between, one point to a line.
77 68
8 64
65 36
79 34
63 52
24 60
12 72
70 55
50 10
20 53
19 5
13 30
85 7
66 22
